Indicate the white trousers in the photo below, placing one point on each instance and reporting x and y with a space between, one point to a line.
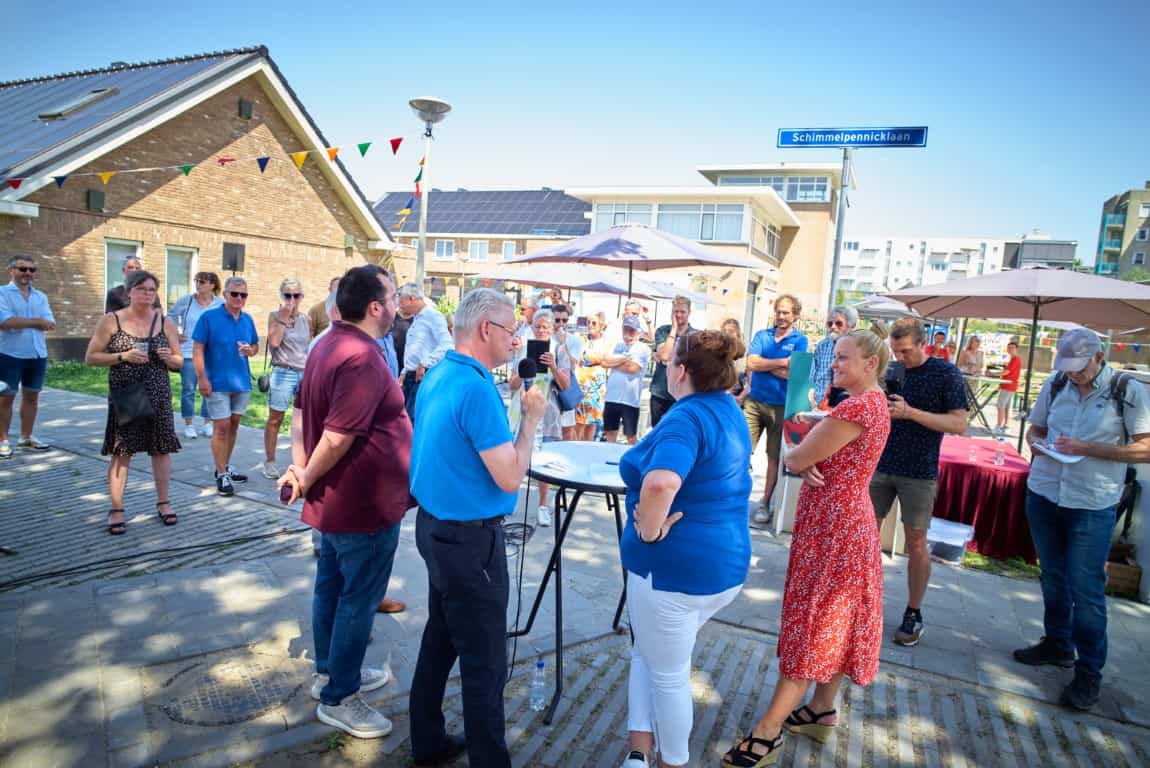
659 689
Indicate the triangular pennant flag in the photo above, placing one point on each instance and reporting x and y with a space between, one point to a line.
106 176
332 152
263 163
15 183
423 159
1120 346
417 192
187 169
406 210
363 148
225 160
419 178
1137 347
59 180
298 158
395 144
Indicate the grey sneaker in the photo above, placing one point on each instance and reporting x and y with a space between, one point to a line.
1083 691
355 716
5 449
271 471
763 515
1046 651
370 679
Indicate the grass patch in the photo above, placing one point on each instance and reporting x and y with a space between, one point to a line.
1014 568
75 376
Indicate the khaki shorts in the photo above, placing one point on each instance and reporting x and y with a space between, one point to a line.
763 417
915 497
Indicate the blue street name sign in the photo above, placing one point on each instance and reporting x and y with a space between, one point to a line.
832 138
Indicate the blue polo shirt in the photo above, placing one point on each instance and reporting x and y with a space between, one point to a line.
458 415
767 387
220 333
704 440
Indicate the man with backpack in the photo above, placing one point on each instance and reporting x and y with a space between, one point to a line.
1088 423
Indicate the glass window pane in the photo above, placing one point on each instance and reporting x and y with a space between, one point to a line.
639 217
508 249
638 207
603 218
729 226
679 208
682 224
477 250
114 256
178 275
708 229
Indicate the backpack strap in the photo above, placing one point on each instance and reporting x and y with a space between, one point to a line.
1118 384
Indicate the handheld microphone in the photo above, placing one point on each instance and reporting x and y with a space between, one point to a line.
527 371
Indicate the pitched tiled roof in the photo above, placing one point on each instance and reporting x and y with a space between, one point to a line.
512 212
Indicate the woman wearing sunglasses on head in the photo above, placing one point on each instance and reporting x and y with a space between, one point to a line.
288 336
185 313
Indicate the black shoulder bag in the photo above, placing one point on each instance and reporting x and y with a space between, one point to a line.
130 403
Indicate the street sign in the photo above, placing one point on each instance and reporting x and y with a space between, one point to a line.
855 138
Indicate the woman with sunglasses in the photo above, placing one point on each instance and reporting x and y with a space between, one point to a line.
687 547
288 336
185 313
138 345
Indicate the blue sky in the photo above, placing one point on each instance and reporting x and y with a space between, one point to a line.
1037 112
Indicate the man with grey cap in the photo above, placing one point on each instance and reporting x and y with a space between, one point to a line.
841 320
1101 417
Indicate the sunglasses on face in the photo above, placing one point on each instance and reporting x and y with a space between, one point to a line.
30 270
237 294
835 324
560 321
293 295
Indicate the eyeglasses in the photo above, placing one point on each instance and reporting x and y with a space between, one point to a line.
31 270
836 324
293 295
510 331
560 321
237 294
202 280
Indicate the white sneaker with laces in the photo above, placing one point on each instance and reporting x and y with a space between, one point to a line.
190 432
355 716
635 759
34 443
370 679
206 429
544 516
271 471
5 449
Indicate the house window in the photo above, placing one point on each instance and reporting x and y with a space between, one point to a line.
178 272
444 250
477 250
1142 234
608 215
1144 211
1139 258
808 189
702 221
116 252
773 242
508 249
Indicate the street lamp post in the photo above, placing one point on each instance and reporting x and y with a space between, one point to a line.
431 111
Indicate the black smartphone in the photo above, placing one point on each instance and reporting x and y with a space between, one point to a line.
285 493
536 349
895 376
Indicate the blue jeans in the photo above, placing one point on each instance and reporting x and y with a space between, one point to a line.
188 392
1073 545
350 579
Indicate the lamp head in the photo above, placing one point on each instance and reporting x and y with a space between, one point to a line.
429 109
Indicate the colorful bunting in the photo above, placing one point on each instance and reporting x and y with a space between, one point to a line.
106 176
263 163
406 209
1121 345
419 177
187 169
15 183
417 192
395 144
363 148
1137 347
298 158
332 152
225 160
59 180
423 159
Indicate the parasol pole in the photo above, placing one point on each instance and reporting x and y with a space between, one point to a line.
1029 371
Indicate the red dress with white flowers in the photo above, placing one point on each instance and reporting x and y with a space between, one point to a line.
832 603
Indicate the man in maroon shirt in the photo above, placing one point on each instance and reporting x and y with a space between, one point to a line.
351 450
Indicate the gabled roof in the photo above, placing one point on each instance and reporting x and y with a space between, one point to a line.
540 212
140 97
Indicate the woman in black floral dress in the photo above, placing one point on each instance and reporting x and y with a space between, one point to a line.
119 342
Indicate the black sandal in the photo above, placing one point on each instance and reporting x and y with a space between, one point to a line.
742 755
116 529
168 519
805 721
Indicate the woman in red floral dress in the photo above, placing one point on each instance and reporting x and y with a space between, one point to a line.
832 603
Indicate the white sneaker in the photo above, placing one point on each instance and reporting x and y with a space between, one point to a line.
544 517
635 759
370 679
206 429
355 716
271 471
190 432
34 443
763 515
5 449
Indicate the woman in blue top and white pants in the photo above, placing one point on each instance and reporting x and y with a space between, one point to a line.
687 549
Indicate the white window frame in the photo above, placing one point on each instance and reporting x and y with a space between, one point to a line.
1143 234
486 250
139 246
1144 210
450 250
514 252
193 267
1139 259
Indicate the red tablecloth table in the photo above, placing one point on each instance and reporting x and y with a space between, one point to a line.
991 498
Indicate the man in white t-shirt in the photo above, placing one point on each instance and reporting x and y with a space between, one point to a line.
626 365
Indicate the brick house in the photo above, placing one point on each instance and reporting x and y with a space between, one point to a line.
215 112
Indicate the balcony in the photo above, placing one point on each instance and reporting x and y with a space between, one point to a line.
1114 220
1112 244
1106 268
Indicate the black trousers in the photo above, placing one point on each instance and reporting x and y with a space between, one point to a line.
659 406
409 386
467 618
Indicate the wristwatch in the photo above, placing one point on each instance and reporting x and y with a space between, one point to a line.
119 357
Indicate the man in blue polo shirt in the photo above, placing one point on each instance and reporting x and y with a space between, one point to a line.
224 339
769 358
466 468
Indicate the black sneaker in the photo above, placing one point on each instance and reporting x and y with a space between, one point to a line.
1083 691
911 629
1047 651
452 748
236 476
224 485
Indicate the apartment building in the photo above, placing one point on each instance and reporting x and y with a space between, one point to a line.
876 263
1124 233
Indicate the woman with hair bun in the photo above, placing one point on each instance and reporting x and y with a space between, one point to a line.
832 602
687 547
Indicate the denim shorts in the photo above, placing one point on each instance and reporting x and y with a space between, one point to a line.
221 405
284 385
23 372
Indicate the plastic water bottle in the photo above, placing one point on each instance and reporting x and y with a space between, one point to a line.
539 436
538 688
999 452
